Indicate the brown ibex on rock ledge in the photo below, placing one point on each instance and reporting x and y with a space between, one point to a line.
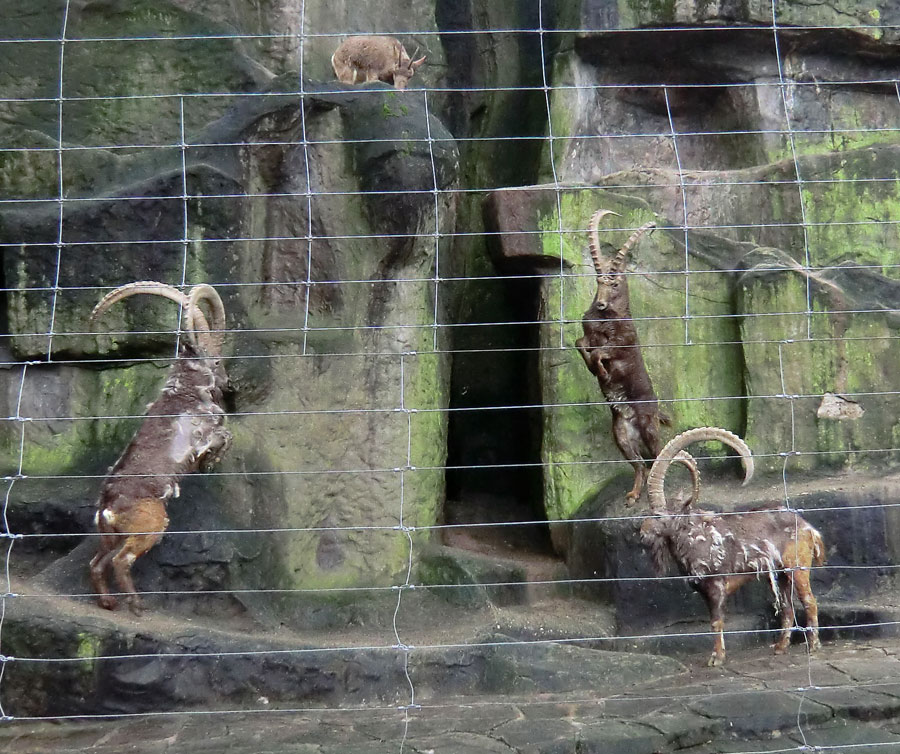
720 553
365 59
181 433
611 350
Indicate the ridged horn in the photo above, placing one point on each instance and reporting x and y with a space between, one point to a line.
210 336
621 257
656 479
687 460
593 228
194 320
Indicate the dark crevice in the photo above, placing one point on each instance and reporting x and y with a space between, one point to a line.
494 453
494 438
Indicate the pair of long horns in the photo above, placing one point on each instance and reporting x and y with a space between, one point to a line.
203 335
676 446
618 263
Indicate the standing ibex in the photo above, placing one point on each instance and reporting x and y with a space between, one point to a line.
181 433
364 59
720 553
611 350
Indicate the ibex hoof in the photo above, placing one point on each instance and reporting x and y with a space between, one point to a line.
780 648
715 660
107 602
136 606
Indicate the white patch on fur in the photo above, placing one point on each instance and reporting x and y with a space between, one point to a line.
130 557
97 518
108 516
180 448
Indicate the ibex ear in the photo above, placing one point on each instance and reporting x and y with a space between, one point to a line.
417 63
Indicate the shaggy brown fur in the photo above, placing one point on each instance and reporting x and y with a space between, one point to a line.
611 350
181 433
721 553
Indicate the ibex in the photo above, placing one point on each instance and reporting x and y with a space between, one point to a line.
611 350
720 553
181 433
365 59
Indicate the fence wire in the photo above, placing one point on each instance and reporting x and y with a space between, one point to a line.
443 283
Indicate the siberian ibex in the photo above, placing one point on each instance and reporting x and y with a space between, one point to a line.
720 553
181 433
364 59
611 350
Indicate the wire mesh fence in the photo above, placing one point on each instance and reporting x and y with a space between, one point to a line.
422 469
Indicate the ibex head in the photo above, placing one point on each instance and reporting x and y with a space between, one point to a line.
405 68
203 340
610 277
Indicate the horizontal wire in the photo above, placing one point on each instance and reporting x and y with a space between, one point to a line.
437 528
456 234
457 409
415 586
307 35
574 640
469 325
817 84
832 131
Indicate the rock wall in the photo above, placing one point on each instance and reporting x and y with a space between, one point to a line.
766 179
312 207
334 353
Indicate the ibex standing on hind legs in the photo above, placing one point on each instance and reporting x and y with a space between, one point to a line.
611 350
364 59
181 433
721 553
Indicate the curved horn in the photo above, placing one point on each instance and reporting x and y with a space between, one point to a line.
656 479
687 460
593 228
213 335
151 287
622 254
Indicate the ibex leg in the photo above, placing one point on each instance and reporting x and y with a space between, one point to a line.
786 590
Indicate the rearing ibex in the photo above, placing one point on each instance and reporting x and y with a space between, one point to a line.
181 433
365 59
611 350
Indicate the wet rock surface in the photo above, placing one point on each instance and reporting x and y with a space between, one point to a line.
847 695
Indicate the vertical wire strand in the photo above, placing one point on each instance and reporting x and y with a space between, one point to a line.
684 219
790 508
308 191
8 533
557 188
184 222
437 223
401 646
61 194
807 263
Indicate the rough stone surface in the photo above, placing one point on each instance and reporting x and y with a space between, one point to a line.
288 580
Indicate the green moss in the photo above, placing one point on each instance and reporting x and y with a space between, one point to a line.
73 441
790 373
577 447
89 646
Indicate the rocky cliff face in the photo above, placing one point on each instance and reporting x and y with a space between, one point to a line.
345 229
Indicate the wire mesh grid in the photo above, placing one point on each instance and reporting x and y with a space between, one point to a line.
425 338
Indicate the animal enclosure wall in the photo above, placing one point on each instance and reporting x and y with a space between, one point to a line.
423 501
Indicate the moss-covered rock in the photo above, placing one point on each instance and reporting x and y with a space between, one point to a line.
689 339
